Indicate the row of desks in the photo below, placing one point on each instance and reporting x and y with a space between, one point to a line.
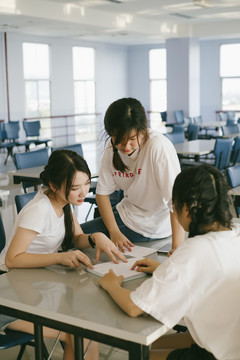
195 148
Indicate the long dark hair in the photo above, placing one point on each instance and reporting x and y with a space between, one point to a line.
61 168
204 190
123 116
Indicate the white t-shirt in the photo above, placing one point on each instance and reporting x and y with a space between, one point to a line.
39 215
147 185
200 282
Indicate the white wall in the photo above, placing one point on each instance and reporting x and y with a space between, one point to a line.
111 75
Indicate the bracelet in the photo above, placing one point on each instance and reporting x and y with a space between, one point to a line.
90 240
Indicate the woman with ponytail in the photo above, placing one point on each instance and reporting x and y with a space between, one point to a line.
199 282
144 164
47 223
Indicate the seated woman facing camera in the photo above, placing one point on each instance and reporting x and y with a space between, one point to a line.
48 223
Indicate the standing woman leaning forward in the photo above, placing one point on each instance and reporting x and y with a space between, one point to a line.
144 164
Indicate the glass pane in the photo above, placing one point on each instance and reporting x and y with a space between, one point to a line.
44 98
230 60
31 92
157 64
158 95
36 61
84 96
83 63
231 94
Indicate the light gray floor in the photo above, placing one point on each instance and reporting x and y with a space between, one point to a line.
106 353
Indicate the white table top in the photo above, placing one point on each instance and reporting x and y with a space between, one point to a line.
74 297
212 124
235 191
195 147
33 172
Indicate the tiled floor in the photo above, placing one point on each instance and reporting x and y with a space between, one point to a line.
106 353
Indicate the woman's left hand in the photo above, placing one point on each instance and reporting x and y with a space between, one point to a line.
103 243
108 279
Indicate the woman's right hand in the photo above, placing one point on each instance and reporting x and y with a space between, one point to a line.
74 259
146 265
121 241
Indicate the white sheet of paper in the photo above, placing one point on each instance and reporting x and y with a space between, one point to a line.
120 269
140 251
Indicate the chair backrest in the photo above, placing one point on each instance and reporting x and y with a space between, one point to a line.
179 116
175 137
32 128
193 131
2 235
222 151
229 129
75 147
233 175
235 157
178 129
11 130
22 199
198 120
231 115
163 116
31 158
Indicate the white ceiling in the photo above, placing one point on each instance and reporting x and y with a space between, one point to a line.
122 21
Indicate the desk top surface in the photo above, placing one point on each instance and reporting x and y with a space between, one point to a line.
33 172
195 147
74 297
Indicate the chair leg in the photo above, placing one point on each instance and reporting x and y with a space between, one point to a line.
22 349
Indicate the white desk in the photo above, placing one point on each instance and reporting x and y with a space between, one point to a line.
71 301
195 147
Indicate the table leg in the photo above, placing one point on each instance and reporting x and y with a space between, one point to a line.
139 352
78 347
38 334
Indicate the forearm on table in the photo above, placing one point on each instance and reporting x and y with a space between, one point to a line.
122 298
177 231
29 260
105 208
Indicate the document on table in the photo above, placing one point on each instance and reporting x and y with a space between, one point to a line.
139 251
120 269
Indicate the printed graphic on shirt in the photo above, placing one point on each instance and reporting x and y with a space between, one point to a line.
127 174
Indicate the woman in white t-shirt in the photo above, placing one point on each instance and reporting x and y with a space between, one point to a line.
199 282
143 164
48 223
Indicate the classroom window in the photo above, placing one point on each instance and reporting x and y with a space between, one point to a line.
158 85
37 79
230 76
84 94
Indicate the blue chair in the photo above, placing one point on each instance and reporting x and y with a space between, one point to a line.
222 152
74 147
15 338
179 116
176 137
233 178
235 156
11 133
229 129
31 159
5 144
192 131
32 130
22 199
